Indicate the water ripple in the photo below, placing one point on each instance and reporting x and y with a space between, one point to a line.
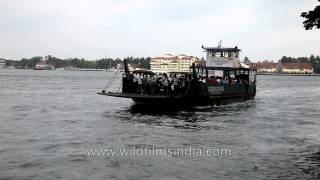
49 118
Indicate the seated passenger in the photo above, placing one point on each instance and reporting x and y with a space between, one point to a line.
224 81
212 80
219 81
199 78
203 80
232 81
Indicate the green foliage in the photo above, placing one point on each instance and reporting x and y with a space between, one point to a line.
139 62
315 61
56 62
312 18
28 63
106 63
103 63
286 59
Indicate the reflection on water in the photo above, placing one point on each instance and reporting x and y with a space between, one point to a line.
183 117
148 109
48 118
177 117
172 111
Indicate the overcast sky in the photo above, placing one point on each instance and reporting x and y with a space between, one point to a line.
92 29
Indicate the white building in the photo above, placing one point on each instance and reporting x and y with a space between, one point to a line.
296 68
290 68
172 63
267 67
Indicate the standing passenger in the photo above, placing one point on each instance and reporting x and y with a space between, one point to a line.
175 84
153 84
135 83
182 83
140 78
165 84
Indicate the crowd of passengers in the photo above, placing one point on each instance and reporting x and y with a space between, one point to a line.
215 80
170 84
156 84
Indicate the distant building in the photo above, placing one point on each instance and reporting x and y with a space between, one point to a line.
2 63
290 68
172 63
297 68
266 67
120 66
43 65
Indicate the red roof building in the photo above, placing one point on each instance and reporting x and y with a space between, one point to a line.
291 68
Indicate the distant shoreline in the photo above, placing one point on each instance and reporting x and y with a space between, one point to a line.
80 69
278 74
88 69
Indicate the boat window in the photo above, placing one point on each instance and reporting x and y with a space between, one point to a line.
211 73
218 73
231 73
220 54
211 54
252 76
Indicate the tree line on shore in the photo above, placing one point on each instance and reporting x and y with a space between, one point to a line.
142 62
103 63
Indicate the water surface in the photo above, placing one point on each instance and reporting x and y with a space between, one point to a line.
49 118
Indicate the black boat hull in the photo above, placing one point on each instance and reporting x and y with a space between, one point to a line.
183 100
195 101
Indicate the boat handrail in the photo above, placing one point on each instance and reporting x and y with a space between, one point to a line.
187 90
223 68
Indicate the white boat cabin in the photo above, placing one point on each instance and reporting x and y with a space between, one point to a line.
222 57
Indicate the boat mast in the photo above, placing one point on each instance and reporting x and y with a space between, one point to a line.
126 70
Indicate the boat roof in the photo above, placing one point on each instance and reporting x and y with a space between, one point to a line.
144 71
224 68
177 72
221 49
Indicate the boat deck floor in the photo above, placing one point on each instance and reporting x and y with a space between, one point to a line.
135 95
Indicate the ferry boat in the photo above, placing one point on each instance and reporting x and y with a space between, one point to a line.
43 65
220 80
2 63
